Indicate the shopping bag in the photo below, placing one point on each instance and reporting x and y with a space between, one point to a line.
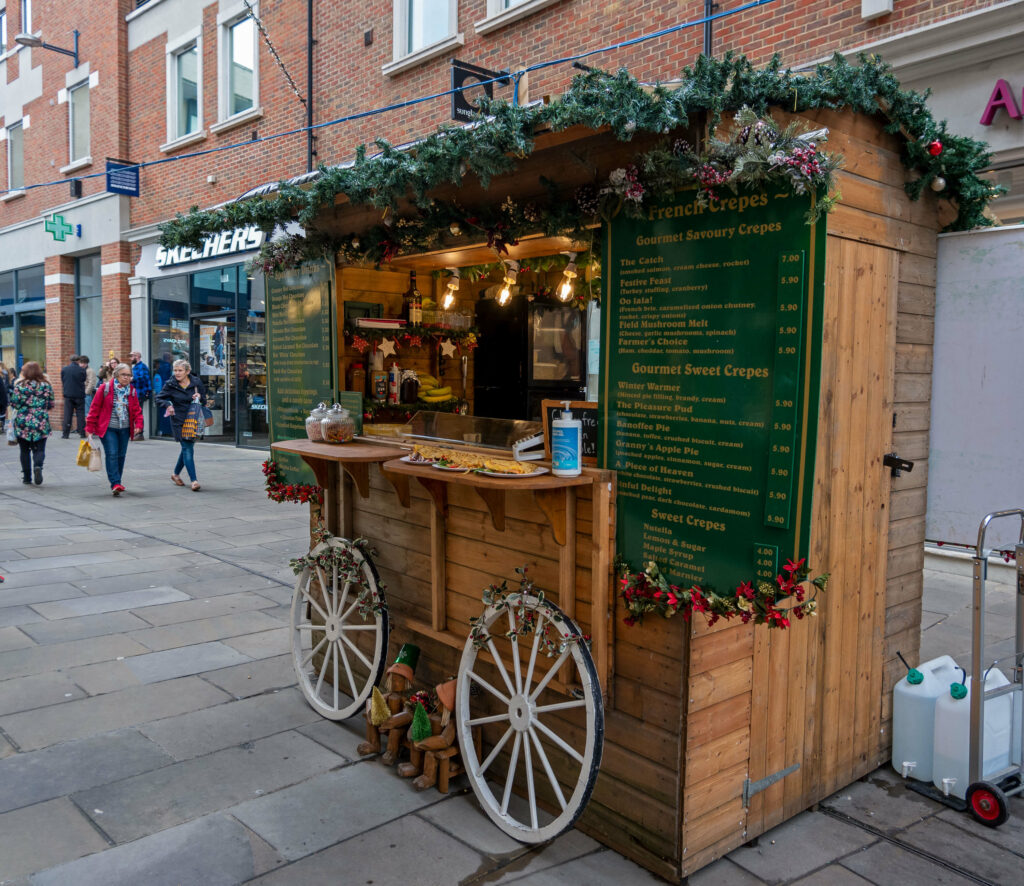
207 416
82 460
12 437
95 459
193 421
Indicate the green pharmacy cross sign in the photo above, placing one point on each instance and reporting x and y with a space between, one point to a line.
60 229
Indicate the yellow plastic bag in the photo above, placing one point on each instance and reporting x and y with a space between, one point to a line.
84 450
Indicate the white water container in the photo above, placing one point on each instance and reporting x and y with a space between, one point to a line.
913 715
950 768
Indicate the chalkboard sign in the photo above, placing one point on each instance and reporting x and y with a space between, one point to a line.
586 413
711 339
300 356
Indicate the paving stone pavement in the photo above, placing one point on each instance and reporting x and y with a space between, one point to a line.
151 729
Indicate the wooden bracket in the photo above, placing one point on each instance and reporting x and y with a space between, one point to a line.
400 483
495 501
319 468
552 503
438 490
360 474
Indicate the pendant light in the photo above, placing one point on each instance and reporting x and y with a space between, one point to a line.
453 286
568 275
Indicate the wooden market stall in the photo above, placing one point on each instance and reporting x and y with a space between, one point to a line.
711 734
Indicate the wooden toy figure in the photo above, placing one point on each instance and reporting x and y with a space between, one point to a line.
391 718
442 750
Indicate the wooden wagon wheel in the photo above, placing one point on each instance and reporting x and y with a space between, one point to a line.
542 738
339 635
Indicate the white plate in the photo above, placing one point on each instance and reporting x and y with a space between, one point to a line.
536 472
409 460
447 468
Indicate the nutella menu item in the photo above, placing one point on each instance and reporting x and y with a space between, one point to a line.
711 335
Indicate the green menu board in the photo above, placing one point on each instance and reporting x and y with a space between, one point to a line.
712 344
300 355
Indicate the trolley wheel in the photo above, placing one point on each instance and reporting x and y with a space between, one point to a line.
542 738
338 651
987 804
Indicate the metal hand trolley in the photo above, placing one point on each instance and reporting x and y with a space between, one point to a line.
339 642
987 793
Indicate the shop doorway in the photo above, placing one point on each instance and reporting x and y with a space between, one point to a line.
213 360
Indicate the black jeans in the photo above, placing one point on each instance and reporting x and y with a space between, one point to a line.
30 448
74 405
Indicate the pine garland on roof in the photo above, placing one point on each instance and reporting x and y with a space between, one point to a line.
595 99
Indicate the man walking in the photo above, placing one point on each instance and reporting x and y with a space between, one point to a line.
72 379
90 381
143 383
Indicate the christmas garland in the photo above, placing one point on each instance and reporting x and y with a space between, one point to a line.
277 490
526 615
596 99
650 592
364 340
350 571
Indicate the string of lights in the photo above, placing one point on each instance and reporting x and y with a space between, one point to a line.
361 115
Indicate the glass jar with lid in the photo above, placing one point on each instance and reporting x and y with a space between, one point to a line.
337 426
314 431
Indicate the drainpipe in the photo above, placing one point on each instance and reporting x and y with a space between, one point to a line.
709 10
310 43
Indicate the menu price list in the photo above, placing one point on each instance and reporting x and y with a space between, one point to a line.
300 365
704 337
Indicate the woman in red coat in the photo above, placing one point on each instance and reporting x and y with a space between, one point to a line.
115 417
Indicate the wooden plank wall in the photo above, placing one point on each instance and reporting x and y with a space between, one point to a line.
820 694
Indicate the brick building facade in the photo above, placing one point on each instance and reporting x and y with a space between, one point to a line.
168 78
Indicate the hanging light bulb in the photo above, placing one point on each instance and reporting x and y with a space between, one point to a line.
453 287
511 275
568 275
504 295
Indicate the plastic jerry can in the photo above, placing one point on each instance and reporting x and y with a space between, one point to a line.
913 715
950 766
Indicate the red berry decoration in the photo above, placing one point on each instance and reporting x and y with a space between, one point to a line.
935 148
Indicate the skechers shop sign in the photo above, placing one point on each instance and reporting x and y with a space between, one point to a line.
225 243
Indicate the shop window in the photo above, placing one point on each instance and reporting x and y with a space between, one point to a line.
252 365
169 340
78 121
16 156
8 354
89 307
32 338
7 289
423 29
239 86
30 284
215 290
184 88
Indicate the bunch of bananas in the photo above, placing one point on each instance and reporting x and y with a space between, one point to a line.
432 392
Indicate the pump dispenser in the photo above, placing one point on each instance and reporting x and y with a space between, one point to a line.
566 444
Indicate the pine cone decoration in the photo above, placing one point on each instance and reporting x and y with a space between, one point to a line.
587 200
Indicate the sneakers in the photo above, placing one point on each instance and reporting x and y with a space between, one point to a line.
39 476
27 481
117 489
139 437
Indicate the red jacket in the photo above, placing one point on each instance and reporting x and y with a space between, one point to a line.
98 419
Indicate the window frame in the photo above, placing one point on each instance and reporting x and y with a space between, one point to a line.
226 21
13 188
72 158
3 30
499 14
26 16
402 59
185 43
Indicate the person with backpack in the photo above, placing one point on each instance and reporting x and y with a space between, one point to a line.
176 397
114 416
142 381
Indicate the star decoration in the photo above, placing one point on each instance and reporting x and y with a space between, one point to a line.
387 347
448 348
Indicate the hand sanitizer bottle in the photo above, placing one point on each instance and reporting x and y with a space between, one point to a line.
566 443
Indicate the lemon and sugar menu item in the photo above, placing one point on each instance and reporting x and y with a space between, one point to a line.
300 355
712 348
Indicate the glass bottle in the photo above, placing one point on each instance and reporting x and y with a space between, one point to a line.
313 429
337 425
412 303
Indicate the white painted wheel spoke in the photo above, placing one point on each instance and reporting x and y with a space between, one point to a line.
309 599
569 749
323 670
551 673
510 777
343 599
514 640
346 628
328 596
348 612
356 651
501 665
530 792
348 670
335 651
547 769
313 652
494 753
561 706
489 687
533 652
480 721
309 626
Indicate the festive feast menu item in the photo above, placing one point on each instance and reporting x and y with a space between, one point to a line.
712 348
300 364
